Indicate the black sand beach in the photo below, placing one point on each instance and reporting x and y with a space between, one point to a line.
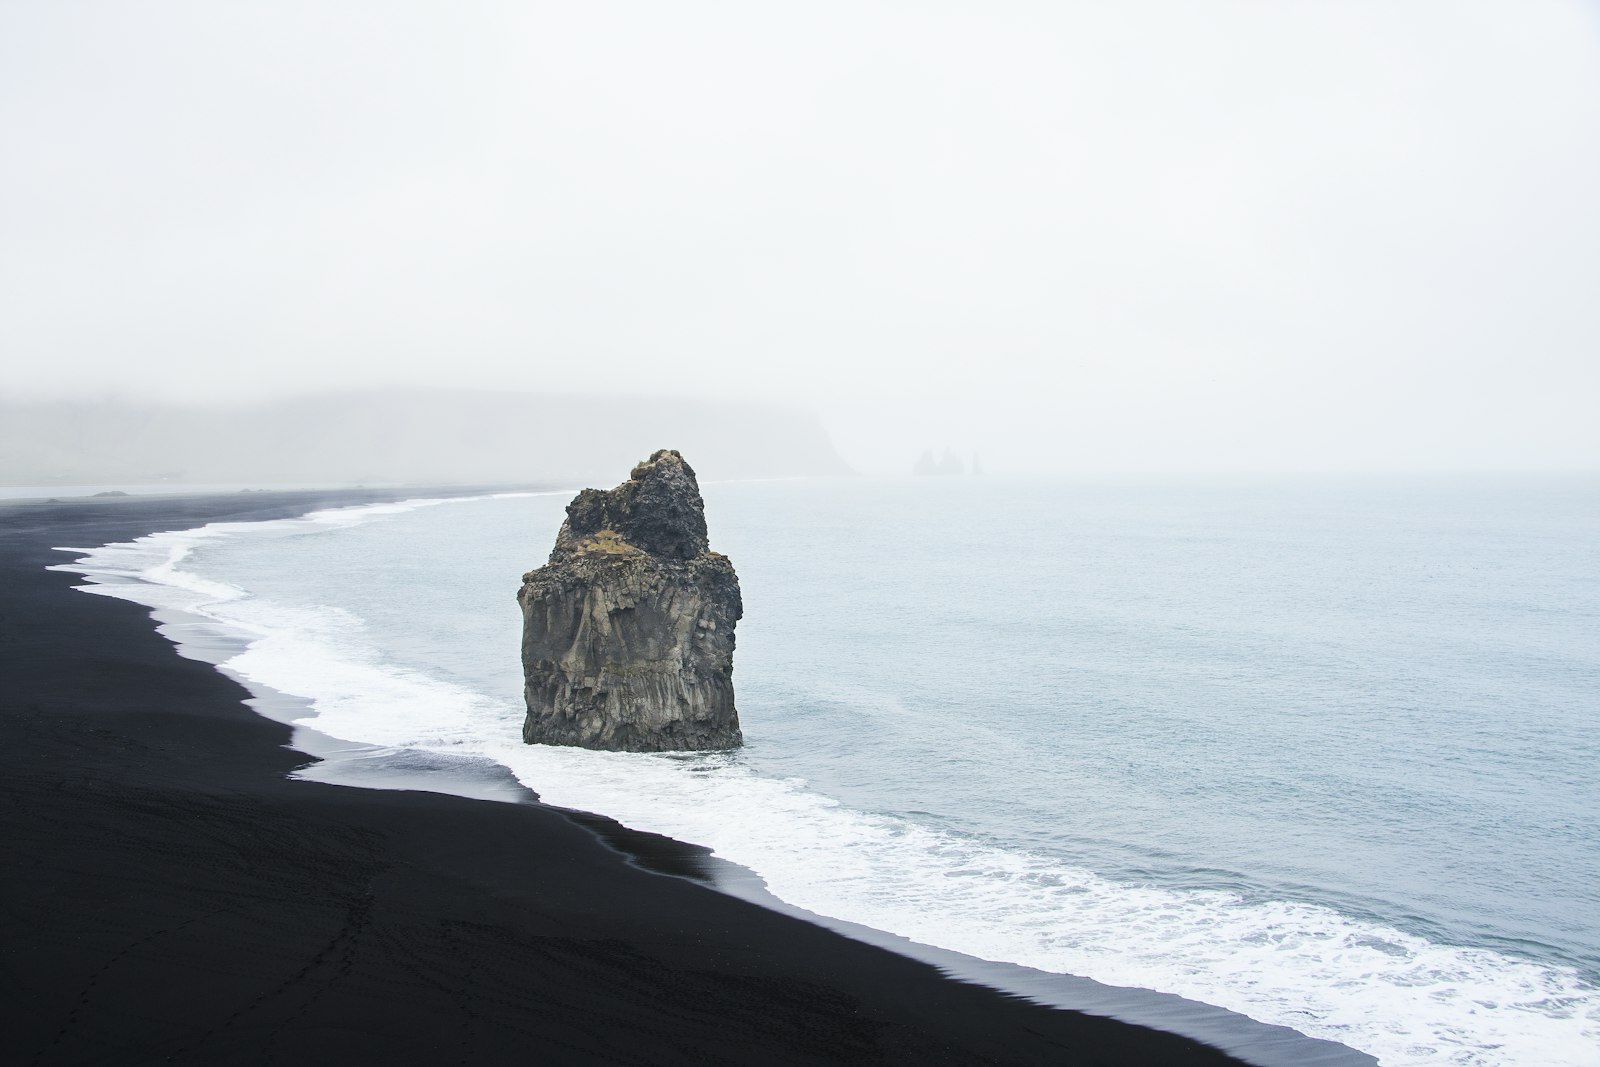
170 896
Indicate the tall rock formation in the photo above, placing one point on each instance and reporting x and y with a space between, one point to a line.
627 633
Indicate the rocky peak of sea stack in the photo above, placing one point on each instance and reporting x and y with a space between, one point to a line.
627 632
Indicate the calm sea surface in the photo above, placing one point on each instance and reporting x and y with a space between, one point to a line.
1324 753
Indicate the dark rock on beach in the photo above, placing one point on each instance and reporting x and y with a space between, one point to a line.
627 640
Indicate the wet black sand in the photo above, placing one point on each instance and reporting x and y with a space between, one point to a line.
171 897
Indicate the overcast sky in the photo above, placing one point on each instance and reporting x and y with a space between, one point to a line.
1129 235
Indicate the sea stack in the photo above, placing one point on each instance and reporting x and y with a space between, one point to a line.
627 633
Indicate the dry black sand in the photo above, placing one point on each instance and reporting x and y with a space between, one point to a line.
169 896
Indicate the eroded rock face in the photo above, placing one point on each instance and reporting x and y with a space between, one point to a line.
627 635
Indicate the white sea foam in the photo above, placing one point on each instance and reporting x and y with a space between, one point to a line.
1395 995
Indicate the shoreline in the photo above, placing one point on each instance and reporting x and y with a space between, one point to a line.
368 765
756 962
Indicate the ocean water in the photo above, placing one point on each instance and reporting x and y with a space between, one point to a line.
1325 754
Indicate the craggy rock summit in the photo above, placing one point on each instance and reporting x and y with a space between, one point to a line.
627 633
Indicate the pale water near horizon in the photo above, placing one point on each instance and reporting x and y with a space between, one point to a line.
1322 753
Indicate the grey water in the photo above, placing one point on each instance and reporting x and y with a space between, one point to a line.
1368 708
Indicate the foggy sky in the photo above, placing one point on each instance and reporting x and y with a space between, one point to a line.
1090 237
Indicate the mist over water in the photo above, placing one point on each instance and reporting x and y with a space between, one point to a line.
1143 235
1318 754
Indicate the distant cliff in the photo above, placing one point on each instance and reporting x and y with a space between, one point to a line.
416 436
627 640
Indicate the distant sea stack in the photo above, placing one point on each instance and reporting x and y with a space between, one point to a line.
627 633
948 467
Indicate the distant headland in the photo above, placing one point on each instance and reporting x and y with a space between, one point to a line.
415 436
